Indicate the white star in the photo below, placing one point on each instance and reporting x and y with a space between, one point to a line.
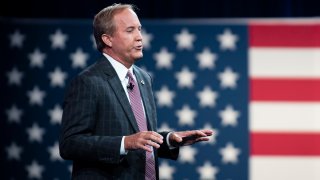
228 78
35 133
55 114
213 138
37 58
207 171
185 78
146 39
185 39
57 77
229 116
14 151
207 97
206 59
165 97
14 77
54 152
165 128
58 39
166 171
79 58
187 154
14 114
16 39
229 154
163 58
35 170
36 96
227 40
186 115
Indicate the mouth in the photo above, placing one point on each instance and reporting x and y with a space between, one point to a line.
138 47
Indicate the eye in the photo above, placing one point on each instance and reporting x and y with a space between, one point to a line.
129 29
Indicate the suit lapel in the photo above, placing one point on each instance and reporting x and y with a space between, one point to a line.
145 93
117 87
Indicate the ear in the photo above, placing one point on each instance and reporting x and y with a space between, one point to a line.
107 39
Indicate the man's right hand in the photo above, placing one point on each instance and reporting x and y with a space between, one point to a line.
143 140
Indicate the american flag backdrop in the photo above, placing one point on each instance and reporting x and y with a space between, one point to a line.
255 83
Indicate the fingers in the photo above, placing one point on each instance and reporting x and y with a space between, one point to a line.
200 133
204 139
207 132
150 139
147 146
153 136
184 138
143 140
150 143
204 132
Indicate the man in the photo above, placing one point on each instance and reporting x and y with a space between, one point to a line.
109 118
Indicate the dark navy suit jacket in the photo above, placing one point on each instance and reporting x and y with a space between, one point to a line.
96 115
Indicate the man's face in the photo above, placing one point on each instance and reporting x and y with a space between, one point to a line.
127 39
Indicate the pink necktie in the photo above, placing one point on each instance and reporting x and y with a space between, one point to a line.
136 106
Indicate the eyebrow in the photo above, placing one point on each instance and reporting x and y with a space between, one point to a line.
133 27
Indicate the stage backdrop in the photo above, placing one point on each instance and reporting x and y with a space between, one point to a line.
256 83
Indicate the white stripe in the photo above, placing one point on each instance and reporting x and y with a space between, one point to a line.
284 62
290 117
284 168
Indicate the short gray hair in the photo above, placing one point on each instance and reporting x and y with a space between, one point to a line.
103 22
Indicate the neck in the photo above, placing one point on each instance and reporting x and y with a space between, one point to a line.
127 64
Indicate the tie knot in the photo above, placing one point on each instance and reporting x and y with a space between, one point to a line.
131 82
129 74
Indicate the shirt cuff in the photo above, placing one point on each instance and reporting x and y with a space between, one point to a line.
168 142
122 150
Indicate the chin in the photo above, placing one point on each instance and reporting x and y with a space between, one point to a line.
138 56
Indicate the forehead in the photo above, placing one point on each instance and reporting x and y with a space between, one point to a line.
126 17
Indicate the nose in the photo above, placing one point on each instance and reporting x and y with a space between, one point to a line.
139 36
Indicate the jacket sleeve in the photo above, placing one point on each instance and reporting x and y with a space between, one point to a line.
77 139
165 152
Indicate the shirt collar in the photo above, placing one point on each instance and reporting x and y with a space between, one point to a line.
121 70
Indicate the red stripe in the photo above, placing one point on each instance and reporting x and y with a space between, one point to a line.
284 35
307 144
284 89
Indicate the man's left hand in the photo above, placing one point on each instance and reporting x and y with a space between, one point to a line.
184 138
